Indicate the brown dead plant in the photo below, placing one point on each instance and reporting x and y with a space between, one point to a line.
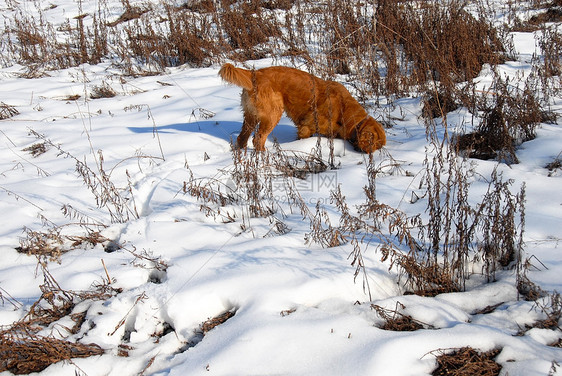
7 111
23 350
466 361
397 321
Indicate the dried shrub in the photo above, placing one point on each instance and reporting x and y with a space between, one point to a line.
449 44
43 244
386 47
256 185
549 66
466 362
247 28
437 255
551 307
322 232
436 104
527 289
120 208
130 13
509 120
553 13
501 218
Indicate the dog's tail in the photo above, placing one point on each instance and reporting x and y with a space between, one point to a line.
237 76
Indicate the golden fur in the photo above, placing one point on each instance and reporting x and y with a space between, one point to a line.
316 106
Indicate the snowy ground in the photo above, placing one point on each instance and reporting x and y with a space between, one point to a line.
298 310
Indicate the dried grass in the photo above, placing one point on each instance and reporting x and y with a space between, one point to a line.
397 321
36 149
7 111
52 244
212 323
555 166
466 362
22 352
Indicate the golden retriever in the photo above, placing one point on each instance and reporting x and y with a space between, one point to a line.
316 106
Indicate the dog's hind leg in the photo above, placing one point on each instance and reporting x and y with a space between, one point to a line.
250 120
248 126
269 113
267 123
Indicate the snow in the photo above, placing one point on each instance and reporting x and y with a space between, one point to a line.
298 310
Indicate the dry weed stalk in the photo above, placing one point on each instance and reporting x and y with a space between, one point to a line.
437 255
257 185
510 117
107 195
551 306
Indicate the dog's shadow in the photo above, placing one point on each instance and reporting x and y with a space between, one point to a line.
285 131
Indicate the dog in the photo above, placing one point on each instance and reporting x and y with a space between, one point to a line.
316 106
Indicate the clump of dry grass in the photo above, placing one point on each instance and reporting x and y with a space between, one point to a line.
23 353
397 321
555 166
36 149
7 111
120 208
216 321
23 350
52 243
551 306
102 91
466 362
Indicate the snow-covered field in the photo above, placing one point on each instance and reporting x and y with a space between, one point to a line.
297 308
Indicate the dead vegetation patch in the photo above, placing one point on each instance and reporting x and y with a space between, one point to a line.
130 13
7 111
397 321
24 352
509 117
555 166
36 149
466 361
551 307
212 323
52 243
553 13
437 104
102 91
